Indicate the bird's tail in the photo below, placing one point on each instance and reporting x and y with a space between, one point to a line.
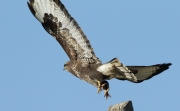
116 69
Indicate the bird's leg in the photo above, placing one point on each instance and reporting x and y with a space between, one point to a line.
99 86
105 87
106 94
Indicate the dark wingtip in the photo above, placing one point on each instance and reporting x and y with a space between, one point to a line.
169 64
165 66
30 7
162 68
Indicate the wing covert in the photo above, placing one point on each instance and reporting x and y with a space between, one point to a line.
115 69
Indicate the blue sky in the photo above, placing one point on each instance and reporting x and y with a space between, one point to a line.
138 32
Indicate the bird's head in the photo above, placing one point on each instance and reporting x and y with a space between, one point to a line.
67 66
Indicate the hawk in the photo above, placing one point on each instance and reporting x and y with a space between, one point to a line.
84 64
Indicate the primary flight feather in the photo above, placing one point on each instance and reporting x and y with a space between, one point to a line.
83 62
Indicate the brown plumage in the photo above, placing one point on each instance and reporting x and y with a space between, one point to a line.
83 62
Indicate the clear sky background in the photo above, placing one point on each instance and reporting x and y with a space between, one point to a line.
138 32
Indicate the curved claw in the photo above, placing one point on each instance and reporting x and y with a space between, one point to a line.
105 87
107 95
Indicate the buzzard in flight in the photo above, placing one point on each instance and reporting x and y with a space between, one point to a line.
83 62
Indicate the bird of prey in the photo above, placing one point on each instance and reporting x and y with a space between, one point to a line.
84 64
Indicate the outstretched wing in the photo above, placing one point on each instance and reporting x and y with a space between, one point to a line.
58 22
115 69
146 72
136 74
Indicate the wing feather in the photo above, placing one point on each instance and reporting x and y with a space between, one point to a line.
146 72
136 74
55 18
115 69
